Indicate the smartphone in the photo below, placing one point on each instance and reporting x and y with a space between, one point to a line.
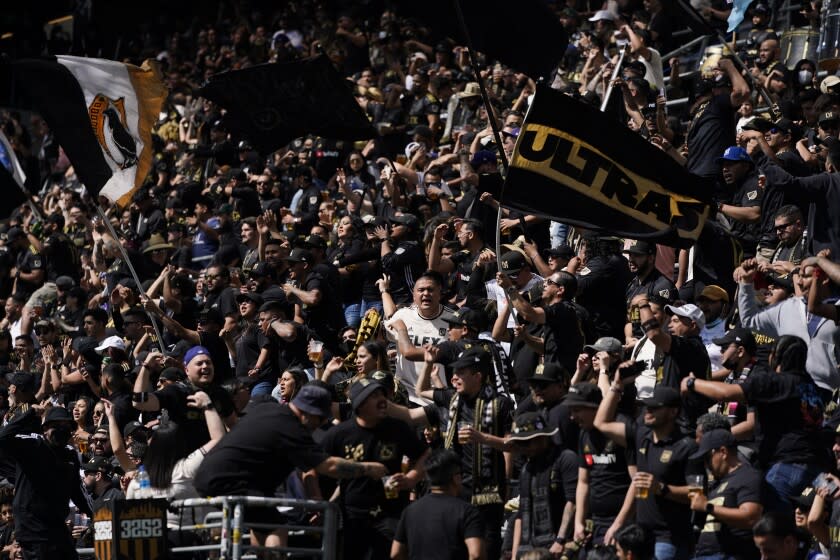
822 481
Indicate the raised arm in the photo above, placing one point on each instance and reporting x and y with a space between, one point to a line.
117 441
605 421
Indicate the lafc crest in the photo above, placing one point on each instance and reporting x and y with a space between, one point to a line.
107 117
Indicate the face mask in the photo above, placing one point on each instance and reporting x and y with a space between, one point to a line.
805 77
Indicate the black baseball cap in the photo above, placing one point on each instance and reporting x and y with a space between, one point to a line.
714 440
362 389
513 262
562 251
530 425
314 400
740 336
641 248
583 394
470 318
408 220
98 464
253 297
58 415
474 357
299 255
663 396
549 373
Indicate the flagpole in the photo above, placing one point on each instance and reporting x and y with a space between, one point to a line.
124 253
613 76
494 125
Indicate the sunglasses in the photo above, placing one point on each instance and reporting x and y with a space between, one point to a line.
552 282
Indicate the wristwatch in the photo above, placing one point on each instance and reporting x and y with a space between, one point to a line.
689 384
710 509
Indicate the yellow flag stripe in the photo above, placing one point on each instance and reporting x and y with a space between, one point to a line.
151 92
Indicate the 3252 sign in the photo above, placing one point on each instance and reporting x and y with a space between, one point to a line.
141 528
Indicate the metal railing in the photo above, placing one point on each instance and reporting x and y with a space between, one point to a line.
229 520
232 525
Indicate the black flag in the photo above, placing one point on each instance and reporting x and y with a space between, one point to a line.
693 18
526 35
11 179
575 165
272 104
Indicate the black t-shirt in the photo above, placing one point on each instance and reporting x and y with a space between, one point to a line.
436 526
247 350
608 476
788 415
667 460
29 261
711 131
562 334
259 453
748 194
687 355
218 353
173 398
834 533
224 302
601 292
386 443
326 317
738 487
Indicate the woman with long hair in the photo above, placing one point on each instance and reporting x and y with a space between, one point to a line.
289 384
168 460
350 243
83 416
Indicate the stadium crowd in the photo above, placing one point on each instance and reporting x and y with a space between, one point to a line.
332 320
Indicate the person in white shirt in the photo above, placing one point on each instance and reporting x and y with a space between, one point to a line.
422 321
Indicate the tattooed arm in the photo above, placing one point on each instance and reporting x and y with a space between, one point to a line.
337 467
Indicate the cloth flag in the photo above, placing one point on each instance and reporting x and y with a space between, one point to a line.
736 16
100 111
272 104
693 18
573 164
525 35
12 179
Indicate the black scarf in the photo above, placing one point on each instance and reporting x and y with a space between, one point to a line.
535 482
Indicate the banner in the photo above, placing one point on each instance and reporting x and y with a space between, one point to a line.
272 104
525 35
736 16
573 164
100 111
12 179
693 18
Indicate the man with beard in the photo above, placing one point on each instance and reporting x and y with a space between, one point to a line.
200 375
742 202
791 248
647 280
371 509
46 479
98 482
